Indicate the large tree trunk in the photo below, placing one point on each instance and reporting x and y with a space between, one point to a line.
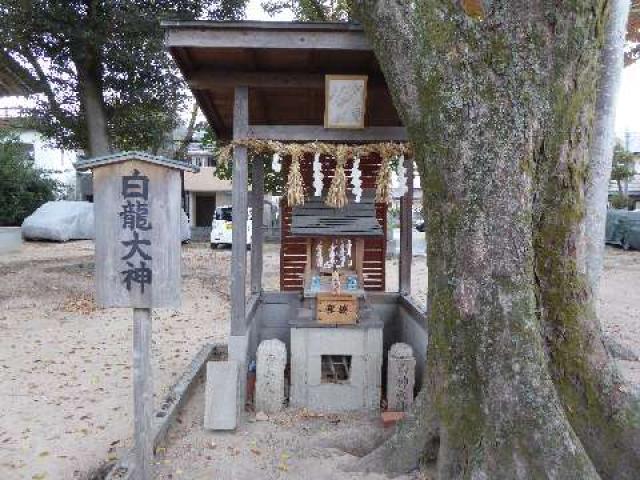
498 98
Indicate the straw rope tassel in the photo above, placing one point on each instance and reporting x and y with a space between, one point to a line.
384 175
337 195
295 184
264 147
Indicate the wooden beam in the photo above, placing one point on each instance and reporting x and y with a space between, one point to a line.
211 79
216 79
257 231
309 133
142 393
239 190
406 231
266 38
211 113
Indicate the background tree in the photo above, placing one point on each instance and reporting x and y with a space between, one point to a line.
23 188
622 171
311 10
603 140
108 82
183 145
499 101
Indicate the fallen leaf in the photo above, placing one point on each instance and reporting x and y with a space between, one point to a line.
473 8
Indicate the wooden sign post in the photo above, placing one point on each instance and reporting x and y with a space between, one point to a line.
137 241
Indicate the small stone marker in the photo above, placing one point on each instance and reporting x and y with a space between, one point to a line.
221 396
271 362
401 375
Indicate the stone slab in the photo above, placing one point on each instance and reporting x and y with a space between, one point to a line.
221 396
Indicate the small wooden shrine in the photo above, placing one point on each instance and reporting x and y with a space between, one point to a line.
311 99
334 242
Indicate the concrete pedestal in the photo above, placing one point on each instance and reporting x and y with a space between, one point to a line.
362 345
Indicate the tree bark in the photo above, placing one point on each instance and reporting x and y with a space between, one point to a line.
597 192
498 98
87 58
93 106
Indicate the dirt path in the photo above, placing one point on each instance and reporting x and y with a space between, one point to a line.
294 444
65 387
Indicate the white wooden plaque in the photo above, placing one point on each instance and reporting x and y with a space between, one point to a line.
345 101
137 213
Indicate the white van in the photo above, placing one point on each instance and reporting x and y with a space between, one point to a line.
221 226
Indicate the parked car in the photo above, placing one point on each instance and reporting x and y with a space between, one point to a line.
420 225
221 227
623 228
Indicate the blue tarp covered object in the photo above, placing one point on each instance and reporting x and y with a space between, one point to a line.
623 228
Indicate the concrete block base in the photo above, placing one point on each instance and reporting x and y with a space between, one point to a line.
311 389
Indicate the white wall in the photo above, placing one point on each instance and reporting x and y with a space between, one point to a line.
58 162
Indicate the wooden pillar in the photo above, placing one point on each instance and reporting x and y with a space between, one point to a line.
239 207
406 231
257 236
142 392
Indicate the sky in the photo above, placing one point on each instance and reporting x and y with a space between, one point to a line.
628 105
628 109
255 12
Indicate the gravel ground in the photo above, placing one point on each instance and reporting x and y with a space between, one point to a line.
65 387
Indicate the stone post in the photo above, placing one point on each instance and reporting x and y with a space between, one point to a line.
270 364
401 375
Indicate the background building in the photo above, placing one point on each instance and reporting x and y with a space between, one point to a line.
203 190
58 163
631 143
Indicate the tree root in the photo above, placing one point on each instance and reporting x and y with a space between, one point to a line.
415 440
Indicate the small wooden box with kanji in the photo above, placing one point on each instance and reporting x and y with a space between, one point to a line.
337 309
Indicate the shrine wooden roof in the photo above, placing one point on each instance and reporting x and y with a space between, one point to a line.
315 219
282 63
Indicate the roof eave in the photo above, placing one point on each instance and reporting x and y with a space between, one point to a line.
90 163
